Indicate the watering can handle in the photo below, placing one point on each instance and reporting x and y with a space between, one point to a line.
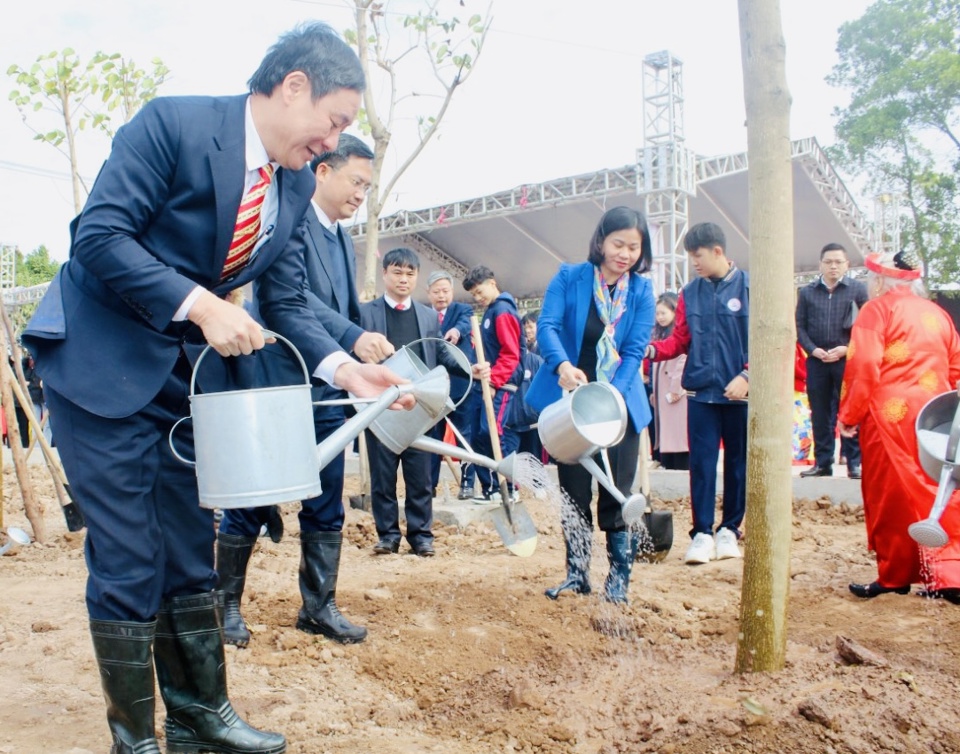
954 440
446 344
173 449
266 334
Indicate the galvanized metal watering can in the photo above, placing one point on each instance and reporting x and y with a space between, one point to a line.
399 430
587 421
938 440
257 447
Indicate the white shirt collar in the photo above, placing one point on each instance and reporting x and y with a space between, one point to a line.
392 303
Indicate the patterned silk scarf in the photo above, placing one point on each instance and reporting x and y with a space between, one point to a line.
610 307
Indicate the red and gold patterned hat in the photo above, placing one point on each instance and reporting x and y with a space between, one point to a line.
904 265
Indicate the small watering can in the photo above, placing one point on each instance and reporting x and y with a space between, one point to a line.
16 537
938 439
588 420
257 447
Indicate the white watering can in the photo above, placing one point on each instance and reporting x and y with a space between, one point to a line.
16 537
257 447
588 420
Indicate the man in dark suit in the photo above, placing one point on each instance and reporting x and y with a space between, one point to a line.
342 181
403 321
199 196
455 329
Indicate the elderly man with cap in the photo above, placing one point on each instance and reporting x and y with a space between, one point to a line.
455 329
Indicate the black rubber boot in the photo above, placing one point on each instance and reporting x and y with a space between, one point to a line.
319 566
191 671
124 652
233 555
620 555
578 564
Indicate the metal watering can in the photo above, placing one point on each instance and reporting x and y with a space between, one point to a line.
399 430
938 439
257 447
586 421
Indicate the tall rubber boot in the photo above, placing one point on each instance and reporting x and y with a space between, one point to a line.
191 671
620 556
578 545
124 652
319 566
233 555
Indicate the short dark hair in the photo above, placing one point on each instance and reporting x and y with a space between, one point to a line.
479 274
832 247
530 317
622 218
705 235
401 257
348 146
316 50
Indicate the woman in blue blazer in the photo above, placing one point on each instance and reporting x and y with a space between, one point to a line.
594 326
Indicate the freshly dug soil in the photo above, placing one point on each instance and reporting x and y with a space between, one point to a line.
466 655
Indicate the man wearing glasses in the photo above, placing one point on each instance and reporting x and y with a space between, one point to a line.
826 310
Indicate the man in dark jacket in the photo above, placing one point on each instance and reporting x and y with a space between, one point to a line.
826 309
342 180
712 328
455 319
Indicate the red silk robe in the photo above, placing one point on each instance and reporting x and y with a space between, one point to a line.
904 350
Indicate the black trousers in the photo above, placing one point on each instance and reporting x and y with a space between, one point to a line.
418 505
823 390
577 483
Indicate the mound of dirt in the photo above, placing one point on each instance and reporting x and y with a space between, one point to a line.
466 655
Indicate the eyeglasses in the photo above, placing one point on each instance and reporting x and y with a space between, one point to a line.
359 184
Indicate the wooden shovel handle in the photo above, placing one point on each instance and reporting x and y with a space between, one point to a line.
487 398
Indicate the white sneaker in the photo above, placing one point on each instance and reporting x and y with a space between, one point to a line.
727 545
701 549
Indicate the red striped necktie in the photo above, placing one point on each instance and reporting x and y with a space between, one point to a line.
247 229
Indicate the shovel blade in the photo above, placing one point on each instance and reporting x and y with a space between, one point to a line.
516 528
74 518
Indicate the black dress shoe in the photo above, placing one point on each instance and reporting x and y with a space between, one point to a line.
853 472
424 550
874 589
386 547
818 471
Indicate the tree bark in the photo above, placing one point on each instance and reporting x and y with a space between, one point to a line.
766 580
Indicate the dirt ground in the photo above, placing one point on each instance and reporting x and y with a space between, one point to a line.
466 655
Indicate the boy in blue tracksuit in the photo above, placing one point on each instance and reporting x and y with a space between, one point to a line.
711 327
502 349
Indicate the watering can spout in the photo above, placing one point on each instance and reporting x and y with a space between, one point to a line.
506 467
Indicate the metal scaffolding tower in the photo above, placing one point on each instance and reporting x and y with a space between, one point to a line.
667 177
886 219
8 267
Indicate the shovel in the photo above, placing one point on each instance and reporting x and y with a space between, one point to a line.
71 511
511 520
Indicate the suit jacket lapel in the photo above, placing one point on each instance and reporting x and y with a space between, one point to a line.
584 298
227 169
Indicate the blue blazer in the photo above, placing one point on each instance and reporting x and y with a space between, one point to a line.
158 222
458 316
560 334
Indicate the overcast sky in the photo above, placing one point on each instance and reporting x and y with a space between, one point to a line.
557 90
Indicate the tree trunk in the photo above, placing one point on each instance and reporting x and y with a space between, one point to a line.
766 578
33 511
